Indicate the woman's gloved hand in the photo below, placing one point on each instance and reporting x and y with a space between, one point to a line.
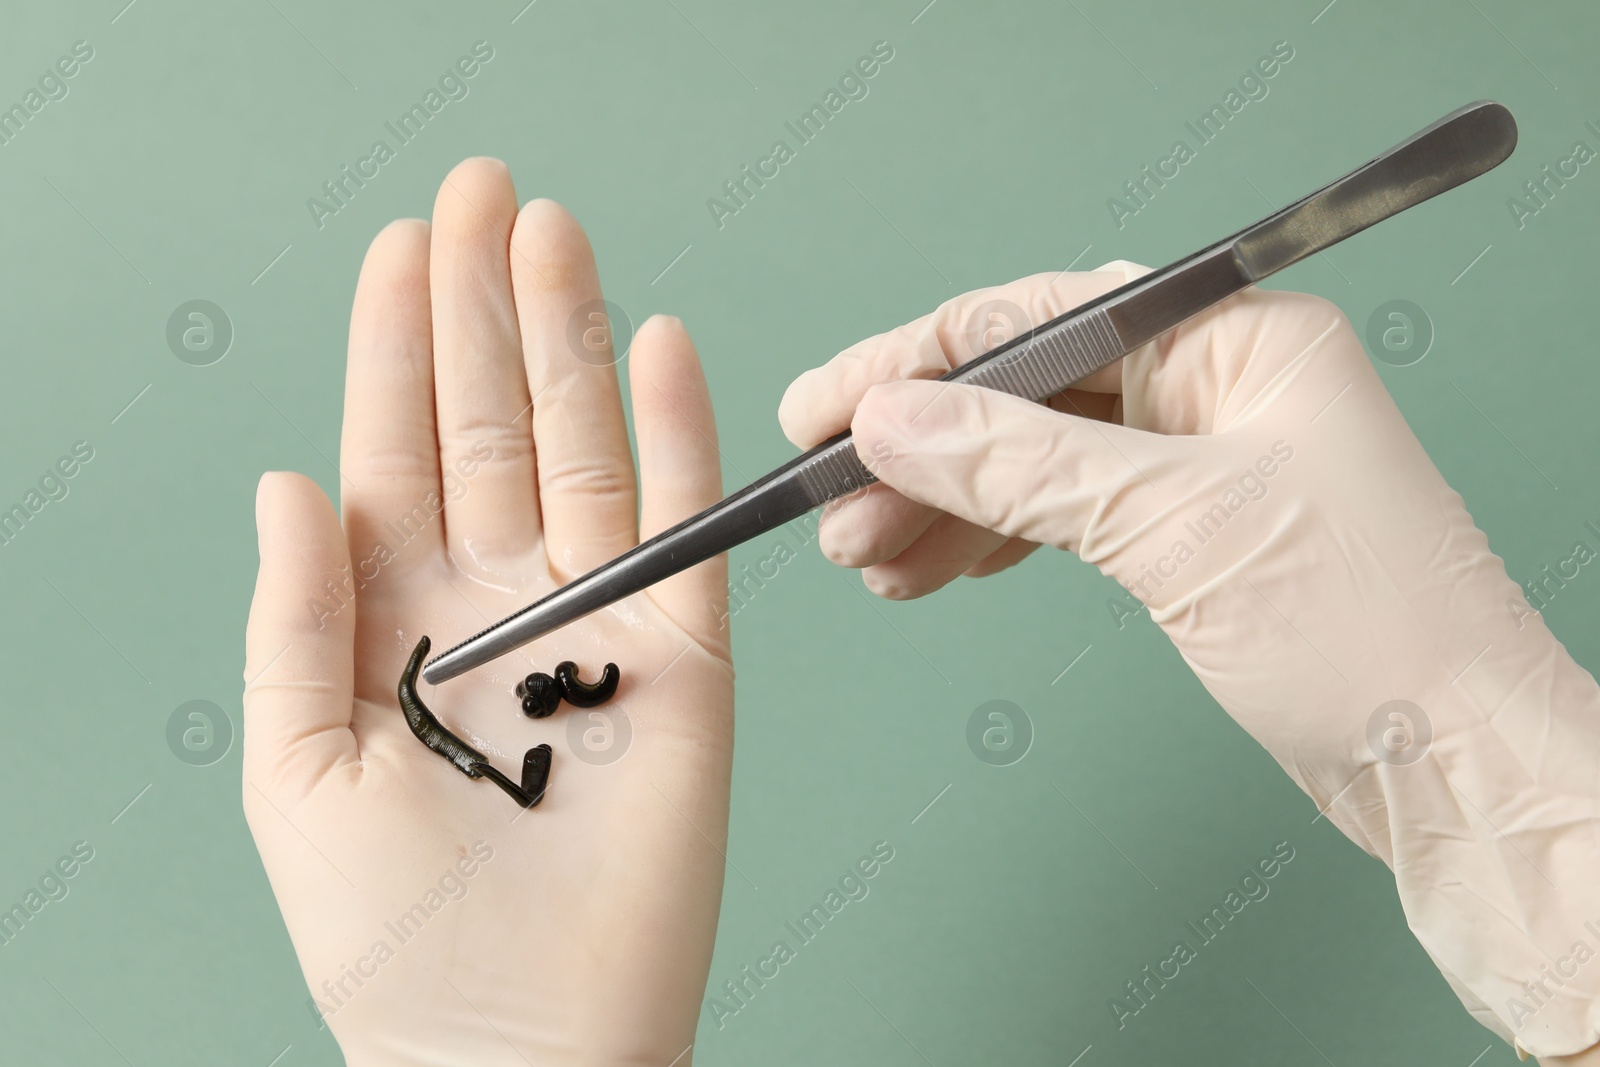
485 462
1248 478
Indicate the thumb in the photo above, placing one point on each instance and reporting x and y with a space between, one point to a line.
300 641
1013 466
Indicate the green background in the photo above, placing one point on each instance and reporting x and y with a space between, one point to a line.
1016 906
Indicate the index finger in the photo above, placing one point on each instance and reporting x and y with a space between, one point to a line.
821 402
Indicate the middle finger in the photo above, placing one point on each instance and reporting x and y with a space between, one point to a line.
587 494
485 447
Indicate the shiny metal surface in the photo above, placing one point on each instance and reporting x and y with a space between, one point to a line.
1040 363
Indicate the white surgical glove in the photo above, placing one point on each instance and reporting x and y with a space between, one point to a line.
1248 478
484 463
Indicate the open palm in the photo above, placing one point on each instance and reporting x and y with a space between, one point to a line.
485 462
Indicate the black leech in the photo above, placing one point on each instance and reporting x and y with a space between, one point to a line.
540 694
429 730
535 774
581 694
466 759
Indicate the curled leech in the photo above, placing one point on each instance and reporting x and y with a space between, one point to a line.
466 759
581 694
540 694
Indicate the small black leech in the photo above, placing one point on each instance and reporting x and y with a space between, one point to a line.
581 694
468 760
540 695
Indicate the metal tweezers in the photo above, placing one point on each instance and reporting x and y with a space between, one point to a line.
1039 363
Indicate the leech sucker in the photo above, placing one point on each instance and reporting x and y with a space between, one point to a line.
540 695
535 776
468 760
581 694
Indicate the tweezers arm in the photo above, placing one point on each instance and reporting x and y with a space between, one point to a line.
1040 362
1183 290
813 478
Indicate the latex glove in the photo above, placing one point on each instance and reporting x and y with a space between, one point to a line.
584 927
1265 498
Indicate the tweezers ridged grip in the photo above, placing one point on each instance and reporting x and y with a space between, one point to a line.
833 472
1040 366
1035 367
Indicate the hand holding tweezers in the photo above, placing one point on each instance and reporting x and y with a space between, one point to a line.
1040 362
